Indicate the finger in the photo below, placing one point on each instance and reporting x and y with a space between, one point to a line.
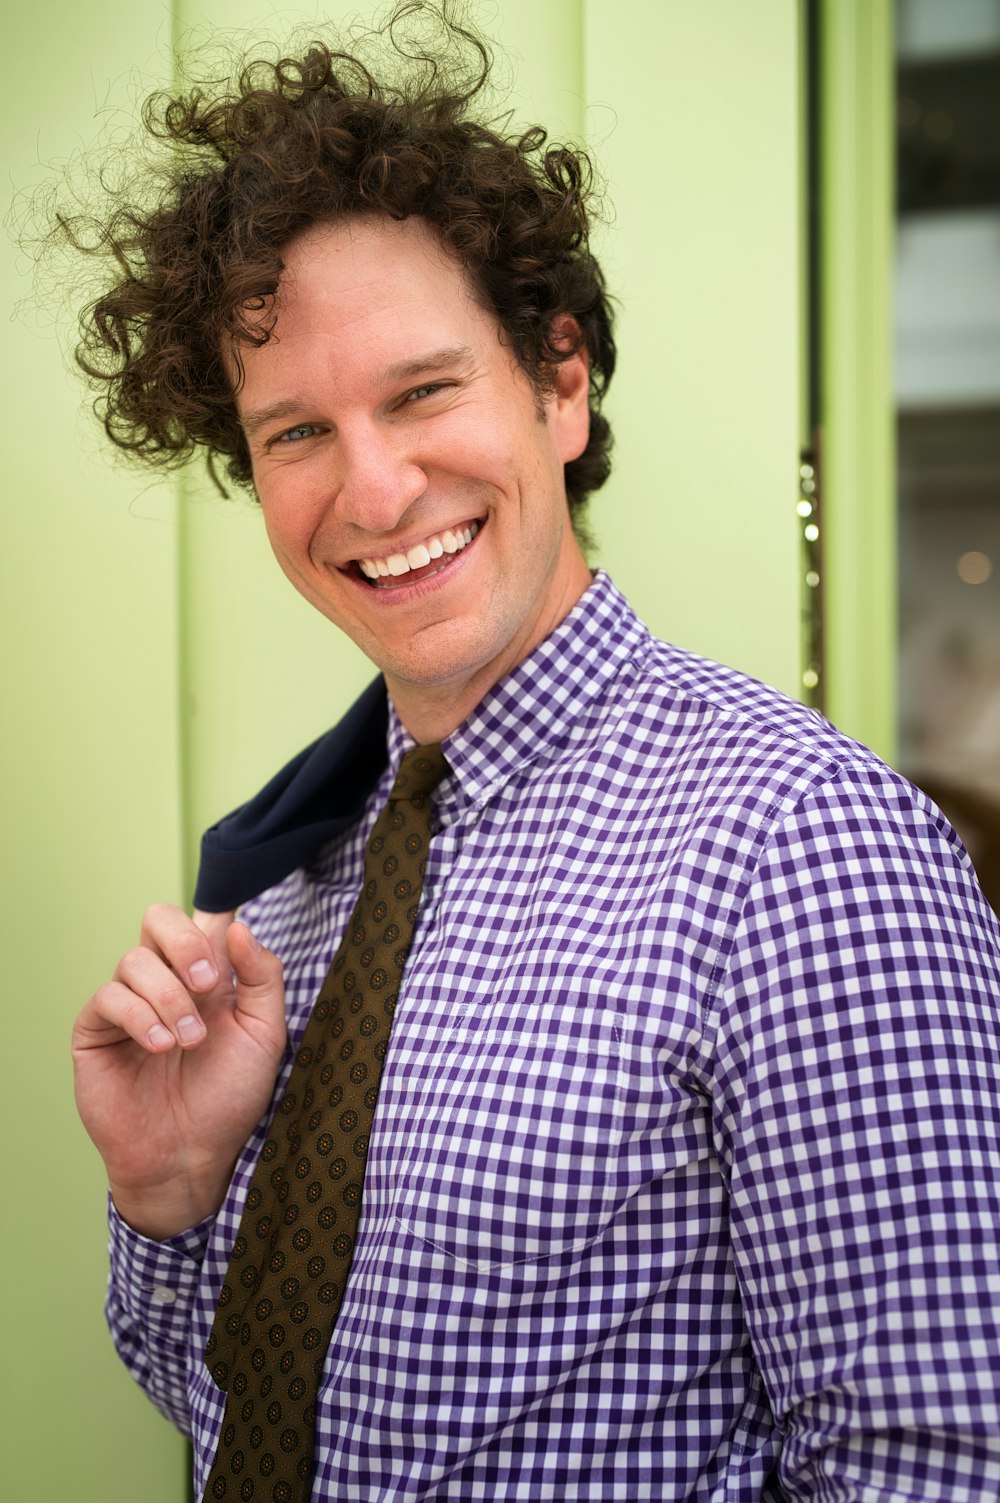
260 983
215 927
115 1013
150 978
175 936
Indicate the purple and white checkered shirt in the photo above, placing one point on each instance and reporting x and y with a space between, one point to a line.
685 1174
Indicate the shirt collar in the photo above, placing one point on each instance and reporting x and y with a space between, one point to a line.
540 710
536 711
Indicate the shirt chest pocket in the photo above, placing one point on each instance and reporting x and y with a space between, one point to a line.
509 1147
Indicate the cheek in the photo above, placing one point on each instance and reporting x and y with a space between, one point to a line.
291 521
474 442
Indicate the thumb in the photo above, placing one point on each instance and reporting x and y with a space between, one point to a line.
260 982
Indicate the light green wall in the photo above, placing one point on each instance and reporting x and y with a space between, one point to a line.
90 802
694 108
160 666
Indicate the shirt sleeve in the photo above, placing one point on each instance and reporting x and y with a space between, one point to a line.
858 1122
151 1294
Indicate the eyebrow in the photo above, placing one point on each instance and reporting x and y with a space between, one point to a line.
458 354
261 416
403 370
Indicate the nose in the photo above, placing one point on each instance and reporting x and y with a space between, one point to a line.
380 479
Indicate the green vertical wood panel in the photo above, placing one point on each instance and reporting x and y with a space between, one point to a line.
694 110
858 452
89 789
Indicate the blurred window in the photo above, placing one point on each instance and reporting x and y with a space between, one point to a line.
947 360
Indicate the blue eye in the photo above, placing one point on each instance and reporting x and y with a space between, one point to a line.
424 391
293 435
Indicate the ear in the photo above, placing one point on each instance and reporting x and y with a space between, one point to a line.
569 409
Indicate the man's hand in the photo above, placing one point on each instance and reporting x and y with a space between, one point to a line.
175 1060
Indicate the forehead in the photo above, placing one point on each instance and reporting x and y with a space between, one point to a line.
359 301
370 268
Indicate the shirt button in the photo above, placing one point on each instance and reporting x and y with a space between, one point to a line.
163 1296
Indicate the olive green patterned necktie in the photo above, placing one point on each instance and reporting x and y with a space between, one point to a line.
290 1260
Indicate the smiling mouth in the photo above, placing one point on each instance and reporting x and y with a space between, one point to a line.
420 561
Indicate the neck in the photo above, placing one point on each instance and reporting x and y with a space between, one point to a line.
430 712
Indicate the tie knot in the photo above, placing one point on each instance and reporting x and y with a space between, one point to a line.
420 771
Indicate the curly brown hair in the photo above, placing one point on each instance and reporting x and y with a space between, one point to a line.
253 163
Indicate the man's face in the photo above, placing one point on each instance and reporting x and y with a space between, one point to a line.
411 480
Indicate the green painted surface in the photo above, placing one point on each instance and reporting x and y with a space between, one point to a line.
90 779
695 110
858 457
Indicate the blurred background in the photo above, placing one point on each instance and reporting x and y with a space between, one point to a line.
946 314
804 237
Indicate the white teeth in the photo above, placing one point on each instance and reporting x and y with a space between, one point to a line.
420 555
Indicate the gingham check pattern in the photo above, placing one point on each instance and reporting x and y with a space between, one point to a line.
684 1181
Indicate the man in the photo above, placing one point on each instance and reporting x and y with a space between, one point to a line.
680 1179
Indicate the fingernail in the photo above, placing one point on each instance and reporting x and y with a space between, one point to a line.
160 1037
190 1029
203 973
253 938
